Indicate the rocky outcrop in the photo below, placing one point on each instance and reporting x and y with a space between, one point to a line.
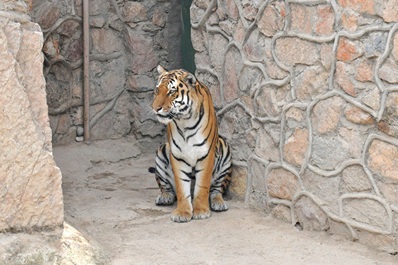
31 201
31 195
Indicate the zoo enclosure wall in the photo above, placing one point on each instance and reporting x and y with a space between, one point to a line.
305 94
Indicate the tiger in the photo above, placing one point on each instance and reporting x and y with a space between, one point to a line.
193 166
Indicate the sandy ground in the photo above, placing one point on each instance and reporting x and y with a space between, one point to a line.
109 196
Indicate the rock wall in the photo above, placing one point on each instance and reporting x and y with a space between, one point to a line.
30 194
128 39
306 94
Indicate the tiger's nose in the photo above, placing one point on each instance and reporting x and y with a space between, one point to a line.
158 109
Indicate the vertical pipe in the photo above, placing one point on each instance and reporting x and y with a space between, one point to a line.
86 76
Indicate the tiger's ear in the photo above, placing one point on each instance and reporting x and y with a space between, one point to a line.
161 70
191 79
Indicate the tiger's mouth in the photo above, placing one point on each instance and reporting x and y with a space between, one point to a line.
167 117
164 118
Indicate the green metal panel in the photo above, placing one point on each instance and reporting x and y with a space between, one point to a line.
187 51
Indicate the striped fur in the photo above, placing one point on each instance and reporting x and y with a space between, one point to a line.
194 165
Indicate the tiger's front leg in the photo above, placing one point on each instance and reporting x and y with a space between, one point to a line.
204 168
164 176
181 171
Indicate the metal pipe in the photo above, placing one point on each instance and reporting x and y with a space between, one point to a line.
86 76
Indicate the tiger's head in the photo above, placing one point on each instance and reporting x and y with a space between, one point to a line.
174 94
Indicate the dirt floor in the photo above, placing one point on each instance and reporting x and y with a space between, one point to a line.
109 197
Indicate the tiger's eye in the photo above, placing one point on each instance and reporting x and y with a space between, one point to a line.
180 85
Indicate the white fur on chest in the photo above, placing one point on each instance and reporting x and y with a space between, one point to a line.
189 149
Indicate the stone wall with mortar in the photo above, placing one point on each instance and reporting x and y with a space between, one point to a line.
307 93
128 39
30 193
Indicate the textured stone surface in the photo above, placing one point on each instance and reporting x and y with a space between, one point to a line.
143 58
266 147
272 20
282 212
293 51
390 11
326 115
358 116
372 99
325 188
217 48
390 115
390 192
294 115
364 71
383 159
354 179
296 146
31 195
61 247
349 21
300 21
325 21
366 211
30 248
282 184
257 193
322 83
105 41
311 83
255 48
134 12
47 15
128 39
352 140
363 6
343 79
270 100
389 72
375 44
329 151
310 216
347 50
232 69
238 186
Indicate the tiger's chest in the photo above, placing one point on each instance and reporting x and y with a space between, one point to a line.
191 146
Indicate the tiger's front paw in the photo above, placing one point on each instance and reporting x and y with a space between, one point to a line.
181 216
201 213
165 198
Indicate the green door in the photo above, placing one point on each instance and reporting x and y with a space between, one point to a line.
187 51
